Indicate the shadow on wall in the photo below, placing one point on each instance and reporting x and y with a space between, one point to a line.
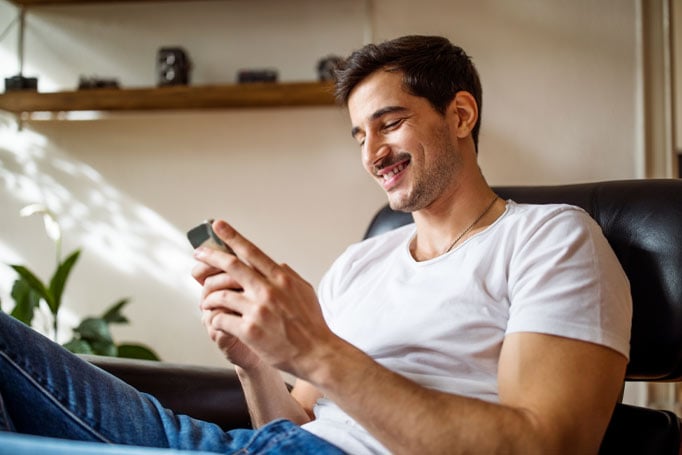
128 249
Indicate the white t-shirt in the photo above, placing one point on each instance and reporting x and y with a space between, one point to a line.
441 322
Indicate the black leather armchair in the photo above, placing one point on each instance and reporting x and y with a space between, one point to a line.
642 219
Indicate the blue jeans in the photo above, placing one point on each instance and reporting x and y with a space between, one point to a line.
48 392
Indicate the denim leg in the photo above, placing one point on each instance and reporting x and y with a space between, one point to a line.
45 390
21 444
278 438
5 422
282 437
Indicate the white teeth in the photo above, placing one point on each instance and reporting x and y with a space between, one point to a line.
394 171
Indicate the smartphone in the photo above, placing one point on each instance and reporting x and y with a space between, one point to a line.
203 235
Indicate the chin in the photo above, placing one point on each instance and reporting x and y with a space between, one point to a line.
399 208
409 201
400 205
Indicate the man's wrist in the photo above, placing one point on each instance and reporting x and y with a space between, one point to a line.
244 372
335 364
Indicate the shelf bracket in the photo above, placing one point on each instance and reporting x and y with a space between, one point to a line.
20 41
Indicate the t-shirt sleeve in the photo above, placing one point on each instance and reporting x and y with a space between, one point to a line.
565 280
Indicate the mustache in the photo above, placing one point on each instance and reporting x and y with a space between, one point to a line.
390 161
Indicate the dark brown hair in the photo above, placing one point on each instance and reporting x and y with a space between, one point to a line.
432 68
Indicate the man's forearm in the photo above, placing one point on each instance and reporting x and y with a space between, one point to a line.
268 397
558 404
408 418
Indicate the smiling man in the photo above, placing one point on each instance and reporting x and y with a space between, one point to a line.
486 326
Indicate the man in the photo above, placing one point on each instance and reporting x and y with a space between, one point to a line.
485 327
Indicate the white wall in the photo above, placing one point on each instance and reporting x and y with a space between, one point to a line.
559 106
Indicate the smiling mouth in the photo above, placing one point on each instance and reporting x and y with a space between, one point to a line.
388 174
394 171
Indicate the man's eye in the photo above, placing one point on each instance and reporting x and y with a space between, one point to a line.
392 124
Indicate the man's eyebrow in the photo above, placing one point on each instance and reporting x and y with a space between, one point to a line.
378 114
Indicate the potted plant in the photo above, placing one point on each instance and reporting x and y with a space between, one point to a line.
31 294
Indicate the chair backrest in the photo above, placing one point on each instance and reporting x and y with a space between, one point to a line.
642 220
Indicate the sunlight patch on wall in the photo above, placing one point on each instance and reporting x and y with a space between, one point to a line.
94 215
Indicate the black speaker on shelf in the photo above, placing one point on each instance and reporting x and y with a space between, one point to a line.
20 82
173 66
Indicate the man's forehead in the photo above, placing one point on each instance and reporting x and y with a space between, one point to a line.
378 91
379 82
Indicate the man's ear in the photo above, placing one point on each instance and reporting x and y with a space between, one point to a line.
463 109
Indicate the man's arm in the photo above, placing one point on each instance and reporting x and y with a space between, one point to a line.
556 394
268 397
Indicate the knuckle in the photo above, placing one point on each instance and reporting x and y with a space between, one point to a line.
252 330
267 294
260 313
223 295
281 277
229 260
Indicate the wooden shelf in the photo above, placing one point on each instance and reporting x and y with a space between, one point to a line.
172 98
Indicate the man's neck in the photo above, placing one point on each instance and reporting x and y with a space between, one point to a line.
453 218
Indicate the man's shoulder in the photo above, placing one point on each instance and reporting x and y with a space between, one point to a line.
382 243
545 210
532 216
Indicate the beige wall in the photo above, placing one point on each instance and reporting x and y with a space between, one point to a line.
560 90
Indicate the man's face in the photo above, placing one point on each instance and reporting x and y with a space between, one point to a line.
407 146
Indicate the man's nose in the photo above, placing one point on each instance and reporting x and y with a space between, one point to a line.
375 150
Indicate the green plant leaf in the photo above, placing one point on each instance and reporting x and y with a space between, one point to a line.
94 330
113 315
58 281
78 346
26 301
103 347
136 351
35 284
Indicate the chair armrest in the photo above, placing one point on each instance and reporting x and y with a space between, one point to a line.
638 430
207 393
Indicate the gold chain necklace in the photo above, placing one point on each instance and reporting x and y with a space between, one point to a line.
471 226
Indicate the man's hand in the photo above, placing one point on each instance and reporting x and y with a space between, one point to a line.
256 308
213 279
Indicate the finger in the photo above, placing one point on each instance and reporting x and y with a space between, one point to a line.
201 271
207 318
245 250
207 321
228 301
225 322
242 274
219 281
